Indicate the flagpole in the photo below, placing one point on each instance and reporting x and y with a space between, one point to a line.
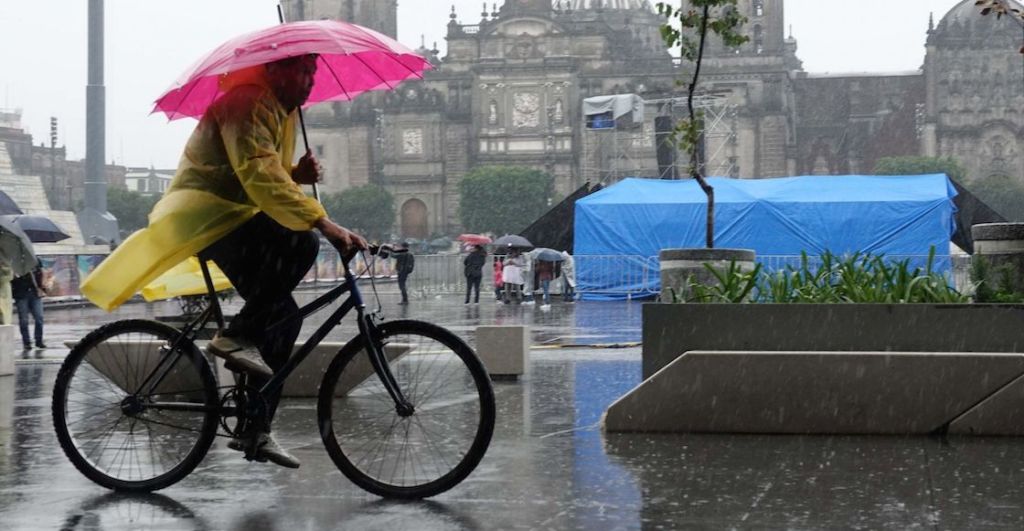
302 121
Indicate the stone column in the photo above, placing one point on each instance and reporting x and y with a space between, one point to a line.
679 264
1001 245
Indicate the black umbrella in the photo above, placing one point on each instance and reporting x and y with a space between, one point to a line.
15 248
512 240
39 229
8 206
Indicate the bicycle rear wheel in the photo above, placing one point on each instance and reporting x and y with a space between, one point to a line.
414 456
117 435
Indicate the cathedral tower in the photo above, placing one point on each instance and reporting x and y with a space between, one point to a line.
380 15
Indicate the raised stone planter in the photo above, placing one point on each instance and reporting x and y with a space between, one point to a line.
679 264
669 330
1002 245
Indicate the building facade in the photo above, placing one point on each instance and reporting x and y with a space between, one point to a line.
509 91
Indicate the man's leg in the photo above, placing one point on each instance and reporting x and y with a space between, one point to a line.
476 286
36 307
265 261
401 287
21 304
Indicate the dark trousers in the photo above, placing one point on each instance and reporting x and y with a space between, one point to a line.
401 286
473 283
265 261
30 304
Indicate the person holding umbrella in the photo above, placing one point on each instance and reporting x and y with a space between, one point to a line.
474 271
27 291
236 197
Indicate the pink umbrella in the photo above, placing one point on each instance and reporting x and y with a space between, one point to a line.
353 60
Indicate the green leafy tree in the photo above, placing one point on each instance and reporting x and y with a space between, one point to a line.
130 208
688 27
367 209
1004 194
921 166
503 199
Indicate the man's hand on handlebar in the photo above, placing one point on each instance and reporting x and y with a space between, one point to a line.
345 241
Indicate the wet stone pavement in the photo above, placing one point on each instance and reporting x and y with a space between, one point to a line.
549 465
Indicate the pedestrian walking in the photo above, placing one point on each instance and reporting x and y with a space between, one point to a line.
545 273
27 291
568 277
474 265
499 283
405 262
512 276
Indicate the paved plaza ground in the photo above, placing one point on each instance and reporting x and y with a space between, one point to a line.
549 466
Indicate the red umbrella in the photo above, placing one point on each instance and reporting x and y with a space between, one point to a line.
474 239
353 60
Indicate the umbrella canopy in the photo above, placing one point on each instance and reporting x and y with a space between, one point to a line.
16 248
512 240
40 229
183 279
474 239
352 60
544 254
8 206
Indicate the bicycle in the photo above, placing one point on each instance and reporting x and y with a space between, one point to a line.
136 405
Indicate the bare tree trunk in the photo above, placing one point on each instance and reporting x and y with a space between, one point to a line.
694 159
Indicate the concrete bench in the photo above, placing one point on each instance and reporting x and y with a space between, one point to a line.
304 382
7 346
802 392
504 350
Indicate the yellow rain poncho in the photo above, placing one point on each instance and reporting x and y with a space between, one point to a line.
236 163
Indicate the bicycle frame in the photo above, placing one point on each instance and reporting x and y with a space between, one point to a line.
367 330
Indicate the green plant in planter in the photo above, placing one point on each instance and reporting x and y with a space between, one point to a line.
734 284
987 290
857 278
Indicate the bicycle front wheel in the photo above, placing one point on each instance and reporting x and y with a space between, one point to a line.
418 455
130 412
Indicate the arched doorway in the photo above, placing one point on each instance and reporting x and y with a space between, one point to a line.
414 219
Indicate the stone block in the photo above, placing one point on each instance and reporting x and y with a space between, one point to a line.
7 346
998 414
813 392
304 381
504 350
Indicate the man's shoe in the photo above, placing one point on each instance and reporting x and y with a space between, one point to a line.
267 449
40 344
239 354
28 346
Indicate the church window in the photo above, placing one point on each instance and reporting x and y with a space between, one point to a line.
492 113
758 40
758 8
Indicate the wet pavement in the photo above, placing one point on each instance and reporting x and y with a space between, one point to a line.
549 465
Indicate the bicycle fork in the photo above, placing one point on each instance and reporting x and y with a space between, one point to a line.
382 366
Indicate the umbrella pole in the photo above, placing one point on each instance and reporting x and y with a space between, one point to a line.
302 121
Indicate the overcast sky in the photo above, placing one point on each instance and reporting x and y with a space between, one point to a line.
150 42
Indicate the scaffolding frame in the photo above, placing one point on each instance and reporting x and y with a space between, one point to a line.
612 154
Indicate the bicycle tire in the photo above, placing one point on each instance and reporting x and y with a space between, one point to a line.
92 384
411 345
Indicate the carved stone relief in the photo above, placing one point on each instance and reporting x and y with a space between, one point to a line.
525 110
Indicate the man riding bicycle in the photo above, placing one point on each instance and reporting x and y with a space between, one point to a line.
236 200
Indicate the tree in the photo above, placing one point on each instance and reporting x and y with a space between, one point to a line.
130 208
921 166
503 199
1000 192
367 209
682 21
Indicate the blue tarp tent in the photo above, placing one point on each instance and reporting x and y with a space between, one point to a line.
892 215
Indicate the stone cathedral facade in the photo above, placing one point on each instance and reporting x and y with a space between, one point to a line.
509 91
